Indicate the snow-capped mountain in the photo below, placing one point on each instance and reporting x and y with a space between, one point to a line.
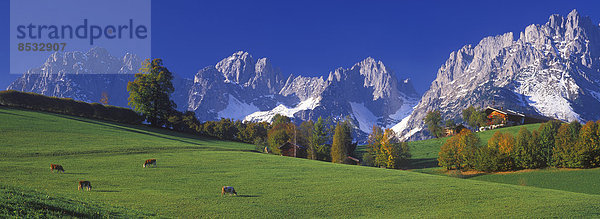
240 88
237 87
81 76
551 70
87 75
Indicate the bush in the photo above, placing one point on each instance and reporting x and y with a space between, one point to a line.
68 106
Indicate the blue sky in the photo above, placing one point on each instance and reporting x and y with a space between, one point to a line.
413 38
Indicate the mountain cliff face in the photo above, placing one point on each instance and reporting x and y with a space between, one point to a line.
81 76
237 87
551 70
240 88
86 76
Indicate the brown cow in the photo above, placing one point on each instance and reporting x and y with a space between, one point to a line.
56 167
84 184
228 190
149 162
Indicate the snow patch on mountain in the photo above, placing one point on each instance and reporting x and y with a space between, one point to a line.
548 91
267 116
237 109
404 110
365 118
402 125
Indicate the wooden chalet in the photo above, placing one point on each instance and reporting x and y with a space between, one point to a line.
292 150
510 117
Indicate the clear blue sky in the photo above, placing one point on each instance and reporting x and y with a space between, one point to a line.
413 38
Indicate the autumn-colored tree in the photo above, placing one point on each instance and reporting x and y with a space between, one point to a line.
458 151
505 144
342 142
565 153
254 132
394 152
588 145
283 131
104 98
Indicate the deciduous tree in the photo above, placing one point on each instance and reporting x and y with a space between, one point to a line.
149 93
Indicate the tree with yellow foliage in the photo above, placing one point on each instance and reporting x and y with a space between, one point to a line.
458 152
505 144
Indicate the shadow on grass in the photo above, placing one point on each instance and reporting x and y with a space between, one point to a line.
104 190
14 114
75 173
423 163
248 196
134 129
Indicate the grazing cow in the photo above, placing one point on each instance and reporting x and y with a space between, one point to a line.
85 184
229 190
150 162
56 167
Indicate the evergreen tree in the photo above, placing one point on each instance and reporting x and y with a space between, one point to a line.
318 142
149 93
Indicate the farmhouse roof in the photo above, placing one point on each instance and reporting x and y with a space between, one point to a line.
289 145
504 111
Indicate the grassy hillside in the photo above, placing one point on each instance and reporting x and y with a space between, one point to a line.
575 180
192 170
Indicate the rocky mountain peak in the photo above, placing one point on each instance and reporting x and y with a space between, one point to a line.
550 70
237 68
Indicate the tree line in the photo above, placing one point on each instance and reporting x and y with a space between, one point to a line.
68 106
554 144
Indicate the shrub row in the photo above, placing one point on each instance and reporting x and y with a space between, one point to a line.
553 144
68 106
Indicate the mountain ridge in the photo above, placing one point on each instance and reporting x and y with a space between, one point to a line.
549 70
239 87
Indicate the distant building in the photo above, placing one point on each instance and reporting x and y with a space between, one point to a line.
455 130
292 150
510 117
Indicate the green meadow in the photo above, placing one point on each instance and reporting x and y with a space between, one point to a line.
191 171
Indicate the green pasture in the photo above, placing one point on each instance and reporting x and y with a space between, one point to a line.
191 171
